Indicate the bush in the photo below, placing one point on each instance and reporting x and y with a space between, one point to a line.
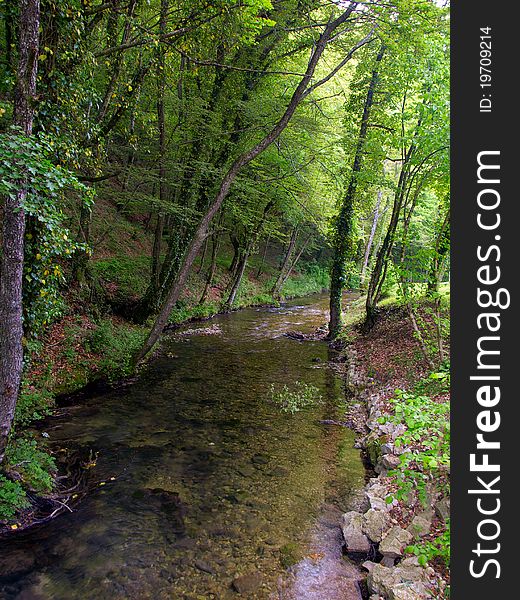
130 274
34 466
182 312
33 404
439 547
117 345
427 437
312 280
12 498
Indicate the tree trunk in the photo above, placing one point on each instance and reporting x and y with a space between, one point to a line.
381 265
157 249
161 130
241 267
203 257
264 254
295 260
236 254
213 266
244 256
343 232
442 246
228 179
373 230
288 255
12 256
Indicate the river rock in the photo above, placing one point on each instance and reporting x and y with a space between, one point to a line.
372 444
387 448
390 461
394 542
375 497
381 579
203 566
246 471
375 522
442 508
421 524
407 581
393 430
352 526
409 591
248 583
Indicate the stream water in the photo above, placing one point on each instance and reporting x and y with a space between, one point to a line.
207 490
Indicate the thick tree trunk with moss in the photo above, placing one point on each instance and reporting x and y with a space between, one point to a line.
343 229
12 256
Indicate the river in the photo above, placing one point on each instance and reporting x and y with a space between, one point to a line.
206 490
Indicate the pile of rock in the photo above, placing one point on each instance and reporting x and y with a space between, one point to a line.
373 533
370 532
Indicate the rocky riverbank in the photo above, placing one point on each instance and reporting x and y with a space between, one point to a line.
381 531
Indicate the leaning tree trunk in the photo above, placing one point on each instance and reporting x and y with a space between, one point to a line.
379 271
240 270
295 260
244 257
343 232
381 264
12 256
235 242
200 233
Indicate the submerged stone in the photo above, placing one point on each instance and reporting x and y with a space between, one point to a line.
248 583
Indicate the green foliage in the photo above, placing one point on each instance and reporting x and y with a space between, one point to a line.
26 162
313 279
182 312
263 300
437 382
34 402
292 400
12 498
426 441
129 274
33 466
117 345
439 547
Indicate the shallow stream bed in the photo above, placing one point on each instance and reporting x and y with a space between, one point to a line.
208 490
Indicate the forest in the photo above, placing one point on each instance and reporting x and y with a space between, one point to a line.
169 173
